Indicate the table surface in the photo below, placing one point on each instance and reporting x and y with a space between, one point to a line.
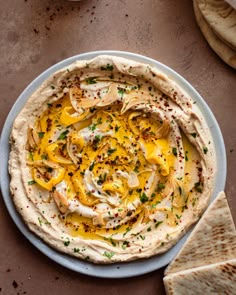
34 35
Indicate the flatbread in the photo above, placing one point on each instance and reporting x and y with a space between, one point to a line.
219 278
232 3
226 53
212 240
222 19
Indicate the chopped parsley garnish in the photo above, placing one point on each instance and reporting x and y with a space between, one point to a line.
63 135
117 128
155 204
136 170
109 255
91 80
111 151
66 243
112 242
108 67
158 223
174 151
44 156
40 221
149 229
180 190
92 127
198 187
101 178
160 186
31 156
91 166
205 150
186 156
98 138
99 121
41 134
121 92
92 110
125 245
31 182
76 250
143 198
178 216
127 230
53 87
194 134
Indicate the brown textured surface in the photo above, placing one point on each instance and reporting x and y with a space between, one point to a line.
34 35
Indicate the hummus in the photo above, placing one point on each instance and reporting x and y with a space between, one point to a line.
111 161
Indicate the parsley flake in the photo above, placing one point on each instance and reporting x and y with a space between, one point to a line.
158 223
91 80
108 67
31 182
111 151
143 198
109 255
174 151
63 135
91 166
66 243
205 150
41 134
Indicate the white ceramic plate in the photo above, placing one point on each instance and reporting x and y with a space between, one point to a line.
121 270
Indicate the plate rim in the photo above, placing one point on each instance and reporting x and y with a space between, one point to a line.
116 270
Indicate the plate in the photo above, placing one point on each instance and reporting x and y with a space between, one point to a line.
121 270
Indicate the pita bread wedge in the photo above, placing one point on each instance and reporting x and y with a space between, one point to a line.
219 278
232 3
222 19
226 53
212 240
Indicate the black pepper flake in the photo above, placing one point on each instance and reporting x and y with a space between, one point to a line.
14 284
36 31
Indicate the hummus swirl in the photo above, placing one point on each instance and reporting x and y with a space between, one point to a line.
111 161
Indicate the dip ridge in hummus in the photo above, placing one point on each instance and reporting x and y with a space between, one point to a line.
111 161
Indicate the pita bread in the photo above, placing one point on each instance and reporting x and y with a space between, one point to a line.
219 278
232 3
222 19
212 240
226 53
